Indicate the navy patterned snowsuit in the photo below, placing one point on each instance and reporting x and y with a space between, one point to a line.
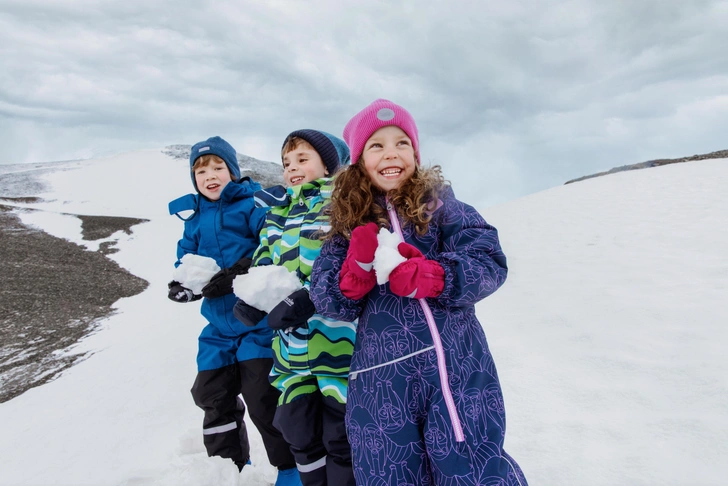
425 404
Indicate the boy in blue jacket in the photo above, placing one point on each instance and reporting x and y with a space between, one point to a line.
232 358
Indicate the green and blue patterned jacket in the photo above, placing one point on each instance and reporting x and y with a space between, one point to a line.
291 236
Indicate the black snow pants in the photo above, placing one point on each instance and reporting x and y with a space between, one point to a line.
225 434
314 426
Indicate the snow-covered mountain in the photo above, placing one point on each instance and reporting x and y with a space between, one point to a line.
608 336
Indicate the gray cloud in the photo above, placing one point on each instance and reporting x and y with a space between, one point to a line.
510 97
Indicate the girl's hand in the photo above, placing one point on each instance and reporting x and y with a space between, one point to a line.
418 277
357 277
363 243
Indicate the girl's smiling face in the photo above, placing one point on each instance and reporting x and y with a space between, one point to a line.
389 158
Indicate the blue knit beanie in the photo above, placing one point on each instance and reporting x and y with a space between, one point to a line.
333 151
215 146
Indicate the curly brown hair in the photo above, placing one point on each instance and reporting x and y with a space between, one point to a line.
353 199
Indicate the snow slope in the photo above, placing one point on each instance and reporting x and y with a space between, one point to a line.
608 337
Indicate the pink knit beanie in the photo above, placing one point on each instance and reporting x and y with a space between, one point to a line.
381 113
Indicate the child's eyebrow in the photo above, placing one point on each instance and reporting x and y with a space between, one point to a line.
295 154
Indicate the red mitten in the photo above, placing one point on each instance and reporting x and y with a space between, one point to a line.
418 277
357 278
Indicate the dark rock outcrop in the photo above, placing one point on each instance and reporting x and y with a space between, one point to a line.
720 154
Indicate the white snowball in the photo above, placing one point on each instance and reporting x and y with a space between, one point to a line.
386 256
266 286
195 272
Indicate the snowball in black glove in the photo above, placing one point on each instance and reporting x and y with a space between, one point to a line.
247 314
292 312
181 294
221 283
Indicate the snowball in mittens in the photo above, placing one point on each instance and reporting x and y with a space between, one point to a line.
195 272
386 257
266 286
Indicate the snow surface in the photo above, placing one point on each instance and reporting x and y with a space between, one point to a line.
609 337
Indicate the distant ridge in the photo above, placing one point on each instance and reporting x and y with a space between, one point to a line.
720 154
262 171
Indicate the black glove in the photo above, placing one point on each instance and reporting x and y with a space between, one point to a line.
292 312
247 314
221 283
181 294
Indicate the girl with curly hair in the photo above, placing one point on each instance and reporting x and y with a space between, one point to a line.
425 405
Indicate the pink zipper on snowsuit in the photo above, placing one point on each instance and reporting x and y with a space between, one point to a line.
439 351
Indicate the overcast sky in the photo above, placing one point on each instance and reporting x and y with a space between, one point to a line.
511 97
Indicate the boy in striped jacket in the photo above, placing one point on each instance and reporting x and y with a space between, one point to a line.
311 353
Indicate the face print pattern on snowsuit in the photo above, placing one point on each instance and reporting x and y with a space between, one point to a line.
416 444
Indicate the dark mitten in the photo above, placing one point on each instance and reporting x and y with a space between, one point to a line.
292 312
247 314
181 294
221 283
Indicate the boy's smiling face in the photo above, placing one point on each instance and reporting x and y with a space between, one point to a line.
212 178
302 164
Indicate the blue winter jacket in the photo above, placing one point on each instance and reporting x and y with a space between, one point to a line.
226 230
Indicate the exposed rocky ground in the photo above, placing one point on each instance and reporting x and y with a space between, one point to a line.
53 293
720 154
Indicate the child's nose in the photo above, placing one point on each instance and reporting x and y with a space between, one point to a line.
390 153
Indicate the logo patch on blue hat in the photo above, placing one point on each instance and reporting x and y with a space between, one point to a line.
385 114
203 149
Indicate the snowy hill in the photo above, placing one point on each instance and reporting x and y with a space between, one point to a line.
608 336
719 154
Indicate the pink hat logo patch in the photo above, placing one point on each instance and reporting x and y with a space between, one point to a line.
385 114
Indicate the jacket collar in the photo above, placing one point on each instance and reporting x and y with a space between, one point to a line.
281 196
